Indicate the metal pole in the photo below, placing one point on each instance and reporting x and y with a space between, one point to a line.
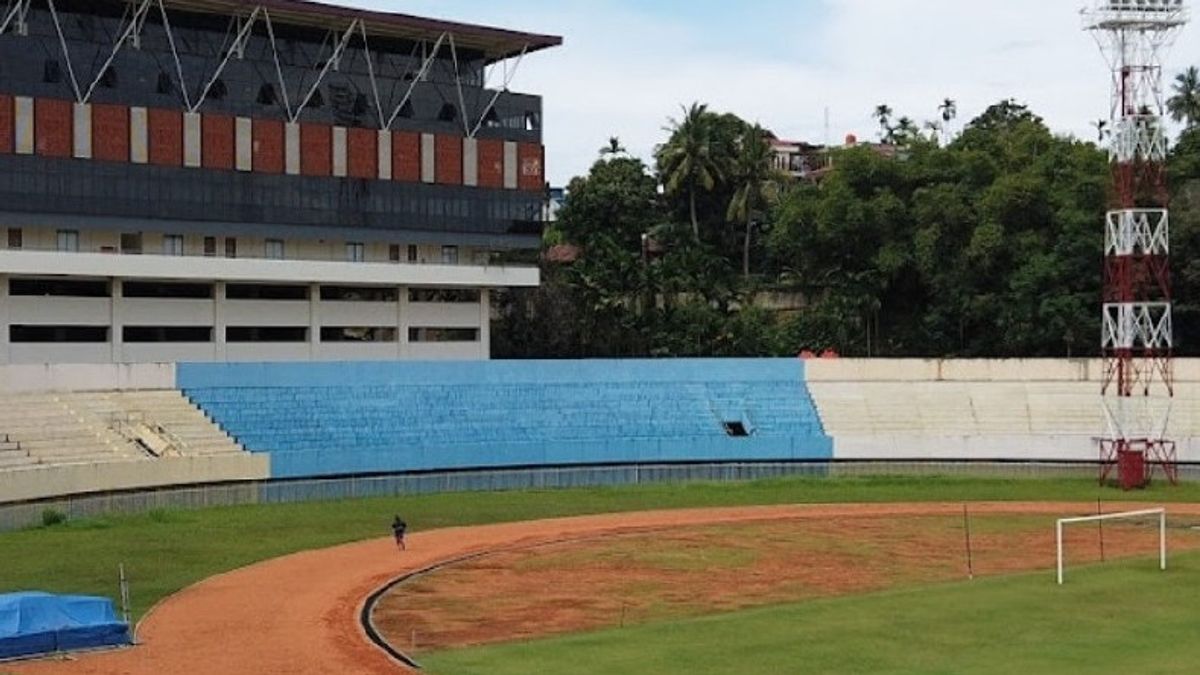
967 532
1162 540
1060 552
1100 512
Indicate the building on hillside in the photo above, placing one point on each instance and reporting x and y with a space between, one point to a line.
806 161
275 180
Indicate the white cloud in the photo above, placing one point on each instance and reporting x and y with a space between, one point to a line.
623 72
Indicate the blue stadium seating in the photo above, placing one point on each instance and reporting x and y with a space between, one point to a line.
354 418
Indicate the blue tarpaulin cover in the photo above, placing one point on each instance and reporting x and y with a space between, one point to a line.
41 623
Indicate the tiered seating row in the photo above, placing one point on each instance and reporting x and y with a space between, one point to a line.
349 428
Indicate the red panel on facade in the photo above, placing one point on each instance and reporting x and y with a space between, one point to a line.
166 136
217 142
268 146
406 156
491 163
53 127
449 162
316 149
8 124
110 132
531 167
362 153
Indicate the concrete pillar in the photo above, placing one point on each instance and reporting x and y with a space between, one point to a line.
192 141
510 165
4 303
314 322
402 323
116 334
485 324
428 158
139 135
81 118
219 321
385 154
291 148
23 125
339 152
470 162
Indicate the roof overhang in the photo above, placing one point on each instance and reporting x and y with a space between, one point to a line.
496 44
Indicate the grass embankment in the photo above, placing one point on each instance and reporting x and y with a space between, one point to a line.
1119 618
166 551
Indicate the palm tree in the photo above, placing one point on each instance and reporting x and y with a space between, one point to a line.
755 182
1185 104
613 148
883 113
949 111
687 160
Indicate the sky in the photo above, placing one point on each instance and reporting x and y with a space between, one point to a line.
627 66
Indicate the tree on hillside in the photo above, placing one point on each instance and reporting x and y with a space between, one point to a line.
883 114
614 148
755 183
949 112
1184 104
687 161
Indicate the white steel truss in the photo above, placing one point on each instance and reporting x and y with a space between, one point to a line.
1139 417
1145 325
15 13
1138 137
1138 232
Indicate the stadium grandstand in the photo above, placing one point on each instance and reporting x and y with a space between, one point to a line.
281 180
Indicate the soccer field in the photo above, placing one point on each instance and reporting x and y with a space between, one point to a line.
1124 617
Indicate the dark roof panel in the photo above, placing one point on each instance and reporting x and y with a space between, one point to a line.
496 43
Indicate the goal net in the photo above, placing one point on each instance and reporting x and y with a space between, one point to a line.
1160 515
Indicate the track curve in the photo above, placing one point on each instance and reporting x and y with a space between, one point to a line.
300 614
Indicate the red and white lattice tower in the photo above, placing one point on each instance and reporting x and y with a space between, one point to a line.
1137 339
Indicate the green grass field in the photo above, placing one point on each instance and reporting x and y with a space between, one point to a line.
166 551
1119 618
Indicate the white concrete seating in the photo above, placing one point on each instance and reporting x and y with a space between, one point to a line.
985 419
66 443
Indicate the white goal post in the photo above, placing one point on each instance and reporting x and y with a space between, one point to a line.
1162 532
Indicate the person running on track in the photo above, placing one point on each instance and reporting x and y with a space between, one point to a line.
398 529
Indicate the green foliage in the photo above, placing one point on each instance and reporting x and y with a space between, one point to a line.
52 517
986 246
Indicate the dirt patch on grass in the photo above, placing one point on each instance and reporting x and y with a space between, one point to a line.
634 578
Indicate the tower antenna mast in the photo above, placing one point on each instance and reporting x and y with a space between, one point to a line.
1137 340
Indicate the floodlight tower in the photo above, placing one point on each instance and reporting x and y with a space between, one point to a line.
1137 339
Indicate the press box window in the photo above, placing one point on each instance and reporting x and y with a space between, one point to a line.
274 249
354 252
210 247
172 244
15 237
266 334
265 292
131 242
143 289
68 240
70 288
394 253
412 253
358 294
363 334
443 335
145 334
64 334
449 255
230 247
